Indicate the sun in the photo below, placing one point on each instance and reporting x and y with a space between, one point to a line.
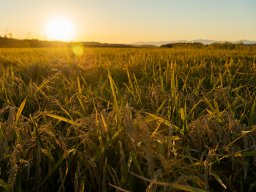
60 29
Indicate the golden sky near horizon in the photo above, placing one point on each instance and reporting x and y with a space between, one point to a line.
129 21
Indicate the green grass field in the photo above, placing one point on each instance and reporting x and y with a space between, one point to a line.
128 119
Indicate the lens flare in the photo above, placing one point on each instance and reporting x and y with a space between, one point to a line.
78 49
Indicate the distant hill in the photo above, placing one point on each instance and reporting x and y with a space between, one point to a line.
202 41
172 45
10 42
16 43
97 44
220 45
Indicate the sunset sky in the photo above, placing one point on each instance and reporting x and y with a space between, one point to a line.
128 21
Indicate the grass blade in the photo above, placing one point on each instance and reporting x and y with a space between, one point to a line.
252 114
20 109
118 188
62 119
4 185
58 163
219 180
174 185
152 117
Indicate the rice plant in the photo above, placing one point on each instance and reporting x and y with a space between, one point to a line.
128 119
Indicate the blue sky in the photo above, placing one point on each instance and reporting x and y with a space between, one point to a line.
127 21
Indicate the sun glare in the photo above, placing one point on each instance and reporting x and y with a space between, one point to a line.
61 29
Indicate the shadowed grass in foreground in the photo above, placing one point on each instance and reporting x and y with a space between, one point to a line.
179 119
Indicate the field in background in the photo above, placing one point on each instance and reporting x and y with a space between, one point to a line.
128 119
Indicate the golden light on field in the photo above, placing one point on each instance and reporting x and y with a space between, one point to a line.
60 28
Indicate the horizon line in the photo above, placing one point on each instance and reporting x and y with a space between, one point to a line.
139 42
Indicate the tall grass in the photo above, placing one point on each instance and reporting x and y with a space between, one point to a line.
119 119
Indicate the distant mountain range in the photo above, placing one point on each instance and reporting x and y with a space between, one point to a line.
203 41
